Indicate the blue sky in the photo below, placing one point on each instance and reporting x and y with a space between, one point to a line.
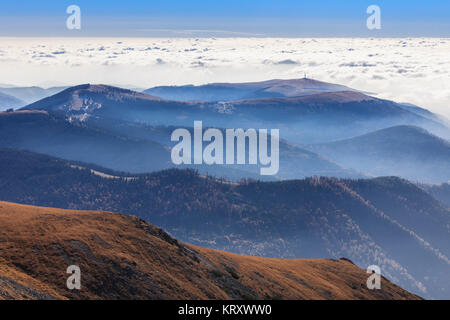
284 18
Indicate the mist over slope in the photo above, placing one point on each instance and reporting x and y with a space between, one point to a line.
405 151
48 133
440 192
136 148
30 94
7 101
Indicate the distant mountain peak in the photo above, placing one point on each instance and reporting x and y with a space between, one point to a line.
298 81
106 89
81 100
275 88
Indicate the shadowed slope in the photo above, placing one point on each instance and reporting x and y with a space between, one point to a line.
7 101
407 151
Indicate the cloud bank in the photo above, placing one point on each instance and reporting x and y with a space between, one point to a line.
414 70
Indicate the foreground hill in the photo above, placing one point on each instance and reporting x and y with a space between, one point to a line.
386 221
406 151
123 257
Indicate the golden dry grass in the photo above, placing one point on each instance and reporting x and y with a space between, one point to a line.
123 257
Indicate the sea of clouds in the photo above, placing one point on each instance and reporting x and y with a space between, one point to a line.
414 70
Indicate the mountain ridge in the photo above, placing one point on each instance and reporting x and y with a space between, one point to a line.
246 90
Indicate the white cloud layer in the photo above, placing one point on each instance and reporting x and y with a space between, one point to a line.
413 70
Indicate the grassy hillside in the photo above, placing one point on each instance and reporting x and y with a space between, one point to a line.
123 257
